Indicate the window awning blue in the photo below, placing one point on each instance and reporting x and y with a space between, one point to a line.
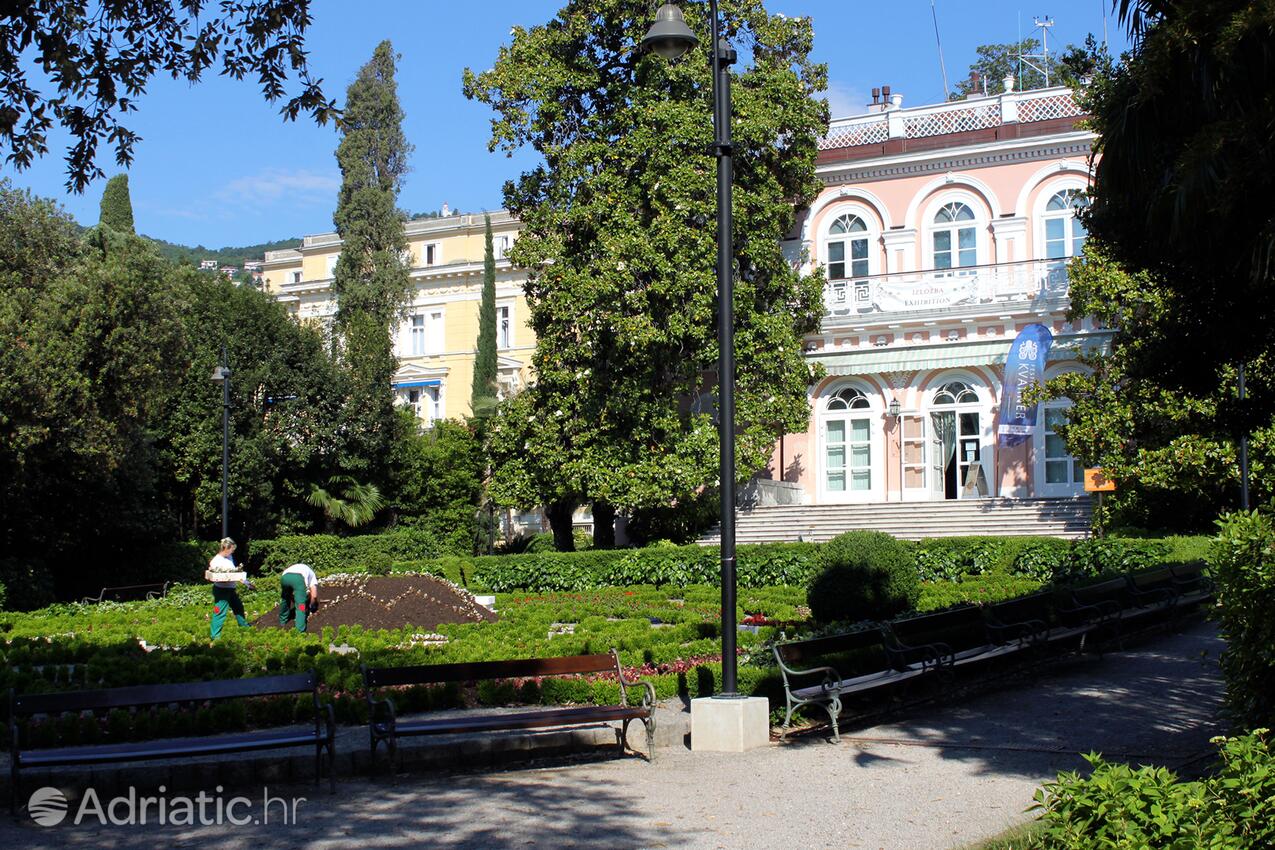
400 385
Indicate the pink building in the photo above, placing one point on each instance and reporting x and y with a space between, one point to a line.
943 231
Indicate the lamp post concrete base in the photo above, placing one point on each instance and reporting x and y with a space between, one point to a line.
729 725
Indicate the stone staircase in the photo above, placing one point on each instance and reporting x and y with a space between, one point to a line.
1068 518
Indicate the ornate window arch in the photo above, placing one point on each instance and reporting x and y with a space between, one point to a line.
847 398
850 450
953 393
1064 232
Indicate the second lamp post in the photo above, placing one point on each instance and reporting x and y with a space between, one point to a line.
221 374
670 37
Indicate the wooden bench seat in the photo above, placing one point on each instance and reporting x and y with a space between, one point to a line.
1033 618
52 705
385 726
960 637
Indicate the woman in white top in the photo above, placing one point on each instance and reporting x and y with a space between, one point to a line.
225 598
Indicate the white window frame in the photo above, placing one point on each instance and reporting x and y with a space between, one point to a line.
294 277
504 326
875 442
331 264
844 292
435 330
434 248
1041 215
982 247
416 344
500 245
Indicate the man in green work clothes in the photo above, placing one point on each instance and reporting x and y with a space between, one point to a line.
298 590
225 599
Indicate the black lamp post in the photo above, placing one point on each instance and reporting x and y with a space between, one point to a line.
670 37
221 374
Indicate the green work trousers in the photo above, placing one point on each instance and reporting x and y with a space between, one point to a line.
292 600
225 600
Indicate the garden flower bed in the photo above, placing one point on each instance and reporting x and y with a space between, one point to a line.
421 602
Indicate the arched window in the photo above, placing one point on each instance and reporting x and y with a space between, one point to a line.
849 399
847 248
955 237
955 392
1064 232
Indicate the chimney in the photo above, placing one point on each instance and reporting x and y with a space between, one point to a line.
446 211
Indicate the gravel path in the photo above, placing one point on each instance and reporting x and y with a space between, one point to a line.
942 778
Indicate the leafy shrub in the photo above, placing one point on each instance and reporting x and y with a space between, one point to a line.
1148 807
1110 555
863 575
539 543
177 562
979 590
328 553
936 564
1243 565
1044 560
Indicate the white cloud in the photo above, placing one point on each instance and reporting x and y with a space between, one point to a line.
845 100
295 187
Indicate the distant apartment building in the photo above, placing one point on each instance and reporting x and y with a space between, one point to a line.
252 266
207 265
436 342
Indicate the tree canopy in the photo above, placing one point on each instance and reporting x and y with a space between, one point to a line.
83 66
483 392
620 244
1179 261
117 206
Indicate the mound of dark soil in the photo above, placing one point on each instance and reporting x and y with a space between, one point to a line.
387 602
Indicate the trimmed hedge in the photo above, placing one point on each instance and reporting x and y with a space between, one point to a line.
329 553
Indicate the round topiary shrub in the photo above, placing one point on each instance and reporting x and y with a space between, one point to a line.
863 575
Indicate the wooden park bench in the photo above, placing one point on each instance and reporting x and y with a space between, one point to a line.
960 637
1035 619
866 661
386 726
53 705
1114 604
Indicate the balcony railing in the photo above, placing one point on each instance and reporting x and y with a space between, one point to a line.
1031 281
976 113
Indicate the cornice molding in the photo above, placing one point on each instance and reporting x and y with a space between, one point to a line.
949 159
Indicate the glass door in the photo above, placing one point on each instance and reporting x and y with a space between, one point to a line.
972 479
942 455
914 455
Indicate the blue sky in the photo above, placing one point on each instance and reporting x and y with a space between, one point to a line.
217 166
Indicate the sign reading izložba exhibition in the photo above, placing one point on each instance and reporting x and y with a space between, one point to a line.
1026 366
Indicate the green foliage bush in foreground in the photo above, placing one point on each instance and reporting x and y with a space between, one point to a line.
863 575
329 553
1243 565
1148 808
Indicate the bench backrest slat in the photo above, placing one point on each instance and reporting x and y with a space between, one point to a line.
474 671
1113 590
1036 606
1162 577
799 651
141 695
959 628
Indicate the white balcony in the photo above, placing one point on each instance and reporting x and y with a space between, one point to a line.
1035 283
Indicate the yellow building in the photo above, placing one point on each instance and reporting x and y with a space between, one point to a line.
436 341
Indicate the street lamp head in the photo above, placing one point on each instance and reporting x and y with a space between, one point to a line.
895 408
669 36
220 373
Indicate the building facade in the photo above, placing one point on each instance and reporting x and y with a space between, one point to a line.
436 341
943 231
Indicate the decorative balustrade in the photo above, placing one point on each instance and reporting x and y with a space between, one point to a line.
943 289
955 117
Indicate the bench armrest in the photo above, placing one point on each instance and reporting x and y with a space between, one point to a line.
932 655
1025 631
648 692
1101 611
830 676
383 706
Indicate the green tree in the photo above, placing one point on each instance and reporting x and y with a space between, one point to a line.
344 500
483 394
87 339
371 280
438 481
1179 261
287 402
1067 67
371 275
99 58
117 206
620 244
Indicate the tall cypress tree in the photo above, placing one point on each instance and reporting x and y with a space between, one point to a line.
371 280
371 275
117 207
483 396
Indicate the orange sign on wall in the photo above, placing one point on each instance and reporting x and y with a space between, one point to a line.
1096 481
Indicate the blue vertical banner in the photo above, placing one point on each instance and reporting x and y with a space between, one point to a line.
1026 366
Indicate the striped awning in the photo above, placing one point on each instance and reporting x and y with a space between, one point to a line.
950 355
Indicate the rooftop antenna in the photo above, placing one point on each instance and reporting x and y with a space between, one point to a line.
1044 24
1102 4
947 94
